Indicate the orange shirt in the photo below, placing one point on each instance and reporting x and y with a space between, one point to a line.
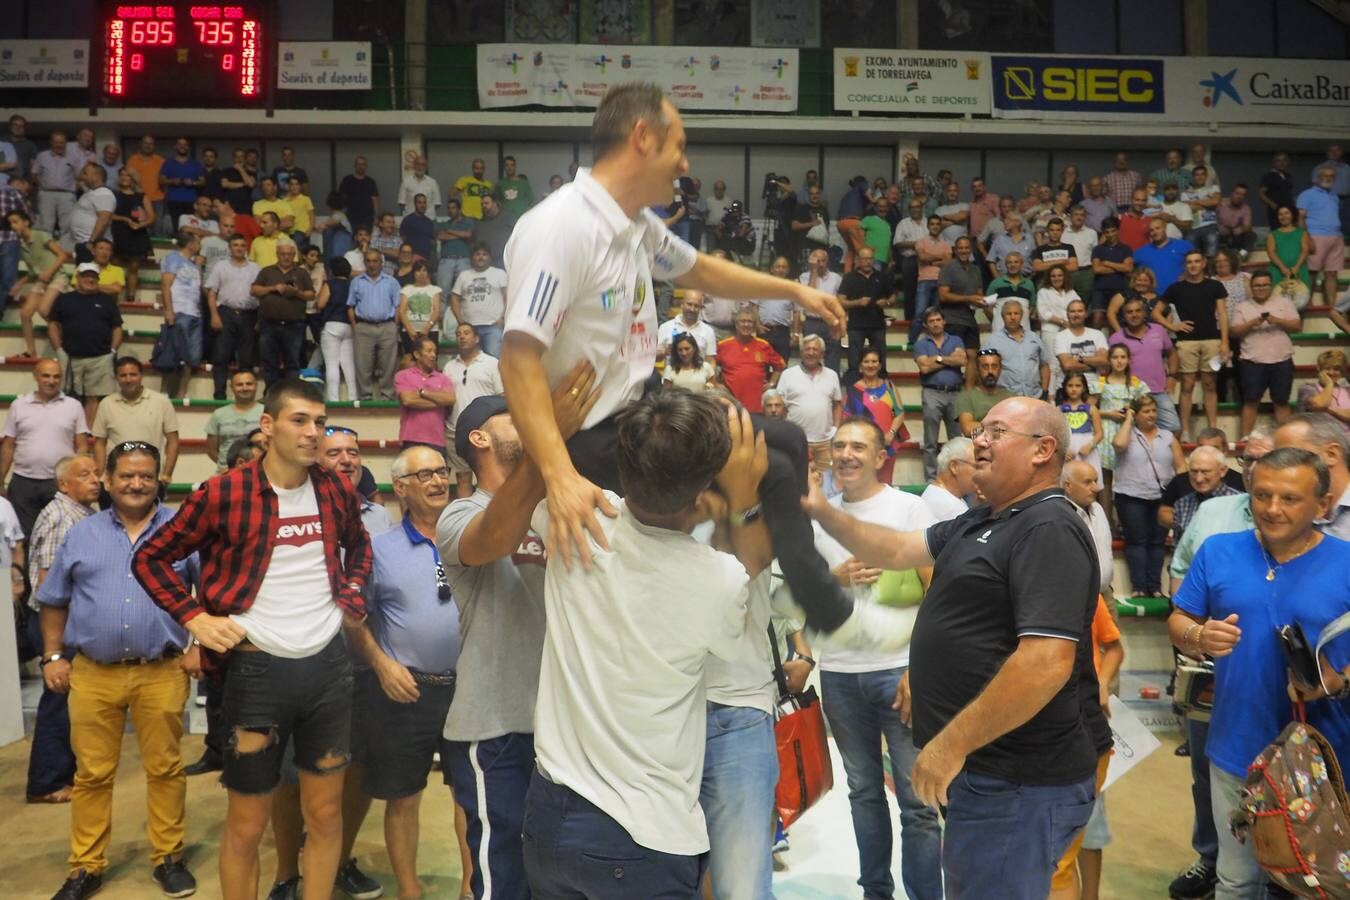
744 368
147 170
1104 631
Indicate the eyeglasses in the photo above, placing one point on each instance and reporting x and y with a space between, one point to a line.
425 475
996 433
339 429
443 592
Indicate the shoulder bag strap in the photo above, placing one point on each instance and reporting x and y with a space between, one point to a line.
1148 452
1337 628
778 674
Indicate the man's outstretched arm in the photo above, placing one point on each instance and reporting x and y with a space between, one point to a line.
732 281
873 545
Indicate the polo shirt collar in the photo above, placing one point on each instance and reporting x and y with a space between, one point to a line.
33 396
416 537
1030 501
602 202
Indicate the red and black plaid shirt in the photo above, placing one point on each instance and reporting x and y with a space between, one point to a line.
230 521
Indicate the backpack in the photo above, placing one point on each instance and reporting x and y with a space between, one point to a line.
1294 810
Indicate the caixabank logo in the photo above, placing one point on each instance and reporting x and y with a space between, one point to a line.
1078 84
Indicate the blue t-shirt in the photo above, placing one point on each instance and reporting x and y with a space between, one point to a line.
190 170
1167 261
946 376
1251 705
1115 253
1323 211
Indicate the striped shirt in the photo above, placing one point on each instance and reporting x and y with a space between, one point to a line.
49 530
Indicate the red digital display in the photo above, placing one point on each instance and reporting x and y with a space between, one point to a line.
182 52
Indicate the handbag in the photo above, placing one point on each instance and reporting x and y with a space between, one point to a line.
818 233
805 771
164 356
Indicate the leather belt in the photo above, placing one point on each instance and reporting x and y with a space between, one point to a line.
136 661
432 678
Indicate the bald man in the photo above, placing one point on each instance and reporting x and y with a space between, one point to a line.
42 427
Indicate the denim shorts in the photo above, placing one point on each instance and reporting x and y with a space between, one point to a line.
400 738
307 701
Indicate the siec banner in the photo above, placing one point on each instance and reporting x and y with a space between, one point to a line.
323 65
1284 91
1072 87
44 64
910 81
707 78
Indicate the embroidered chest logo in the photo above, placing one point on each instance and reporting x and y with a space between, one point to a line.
639 293
984 538
299 531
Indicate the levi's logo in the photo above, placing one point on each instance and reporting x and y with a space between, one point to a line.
531 551
299 531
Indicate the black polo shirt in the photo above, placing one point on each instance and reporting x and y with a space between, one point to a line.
875 287
1028 571
87 322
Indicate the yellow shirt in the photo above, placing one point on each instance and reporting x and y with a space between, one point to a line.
264 249
471 193
110 275
281 207
303 209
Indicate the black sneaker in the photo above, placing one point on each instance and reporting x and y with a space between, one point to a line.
285 890
80 884
1196 883
174 879
357 884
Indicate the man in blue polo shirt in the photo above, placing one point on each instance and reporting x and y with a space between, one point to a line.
1166 256
1319 211
372 303
941 358
411 643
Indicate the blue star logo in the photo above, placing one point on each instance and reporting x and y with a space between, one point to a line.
1219 87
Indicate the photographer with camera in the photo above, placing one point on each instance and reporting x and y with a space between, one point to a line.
735 234
780 206
811 224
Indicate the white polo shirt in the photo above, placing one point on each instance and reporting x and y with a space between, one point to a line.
579 281
478 378
702 333
810 399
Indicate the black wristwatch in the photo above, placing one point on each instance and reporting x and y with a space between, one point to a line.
746 516
807 658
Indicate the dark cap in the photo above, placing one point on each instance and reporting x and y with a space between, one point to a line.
473 418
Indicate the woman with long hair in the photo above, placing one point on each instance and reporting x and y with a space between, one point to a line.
131 221
1146 459
419 308
1119 388
1288 248
873 395
687 368
1142 284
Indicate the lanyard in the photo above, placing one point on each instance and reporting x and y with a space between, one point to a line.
418 538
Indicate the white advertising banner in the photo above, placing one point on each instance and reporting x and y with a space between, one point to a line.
44 64
910 81
323 65
1233 89
708 78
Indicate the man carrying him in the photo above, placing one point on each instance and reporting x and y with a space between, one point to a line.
283 289
865 292
1235 222
181 294
1319 212
478 298
746 363
1079 348
1013 593
419 182
513 191
51 761
1202 305
41 429
1220 610
284 559
233 311
230 423
946 494
140 668
941 359
619 771
372 305
473 374
974 403
410 641
690 322
814 400
425 396
1025 361
858 688
87 325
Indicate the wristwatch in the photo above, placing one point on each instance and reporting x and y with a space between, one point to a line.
939 359
746 516
805 658
50 658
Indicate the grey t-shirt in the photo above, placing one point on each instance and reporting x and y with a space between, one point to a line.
962 278
501 628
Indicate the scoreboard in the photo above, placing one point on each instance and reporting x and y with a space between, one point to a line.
175 54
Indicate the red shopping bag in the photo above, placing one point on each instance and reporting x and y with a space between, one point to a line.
805 772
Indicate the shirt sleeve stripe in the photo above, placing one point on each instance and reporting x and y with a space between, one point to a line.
548 304
1061 635
538 283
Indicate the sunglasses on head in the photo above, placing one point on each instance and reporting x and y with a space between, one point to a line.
339 429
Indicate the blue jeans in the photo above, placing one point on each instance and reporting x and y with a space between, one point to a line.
1143 542
187 339
858 707
490 779
1003 839
51 761
447 270
9 268
925 293
490 339
1168 420
1204 836
575 851
740 773
1206 240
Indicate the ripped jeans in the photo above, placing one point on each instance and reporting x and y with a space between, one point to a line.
305 700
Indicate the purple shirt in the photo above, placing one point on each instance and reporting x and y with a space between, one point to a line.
426 426
1148 355
43 433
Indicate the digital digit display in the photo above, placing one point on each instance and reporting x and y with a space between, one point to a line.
183 53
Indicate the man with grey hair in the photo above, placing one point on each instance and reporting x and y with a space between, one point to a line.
1319 212
1323 435
1014 590
819 276
815 401
775 407
1205 469
954 481
1026 362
